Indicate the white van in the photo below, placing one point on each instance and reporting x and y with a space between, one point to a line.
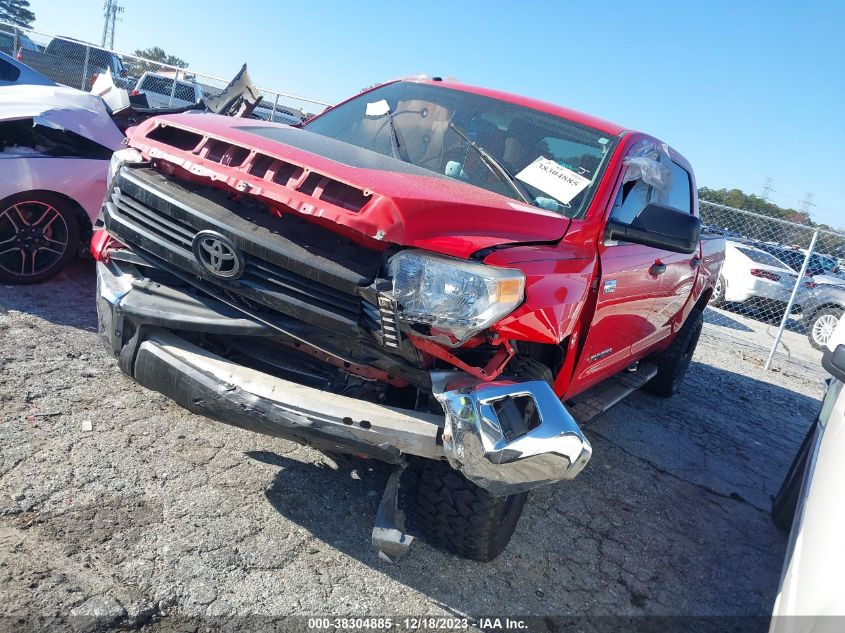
160 92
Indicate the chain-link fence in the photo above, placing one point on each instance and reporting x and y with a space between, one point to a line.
76 64
782 287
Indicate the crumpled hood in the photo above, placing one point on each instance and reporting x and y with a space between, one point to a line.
62 108
406 204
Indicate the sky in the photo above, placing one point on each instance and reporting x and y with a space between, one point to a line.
745 90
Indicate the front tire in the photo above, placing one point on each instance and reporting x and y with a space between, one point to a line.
673 362
39 235
456 515
821 326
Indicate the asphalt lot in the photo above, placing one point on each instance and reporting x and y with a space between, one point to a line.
156 512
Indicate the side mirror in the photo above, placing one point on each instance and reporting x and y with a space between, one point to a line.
834 362
659 226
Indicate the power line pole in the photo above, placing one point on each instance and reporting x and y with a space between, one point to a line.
110 12
767 188
807 202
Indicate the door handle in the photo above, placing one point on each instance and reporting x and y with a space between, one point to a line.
695 262
657 268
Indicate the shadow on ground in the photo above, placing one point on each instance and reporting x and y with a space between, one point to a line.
67 299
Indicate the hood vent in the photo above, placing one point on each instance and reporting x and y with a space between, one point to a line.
265 167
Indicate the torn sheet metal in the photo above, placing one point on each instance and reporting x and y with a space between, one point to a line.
238 99
59 107
649 162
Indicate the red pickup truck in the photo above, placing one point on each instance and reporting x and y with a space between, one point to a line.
438 276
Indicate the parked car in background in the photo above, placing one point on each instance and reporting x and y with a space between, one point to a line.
74 63
279 116
756 278
161 92
55 146
810 503
823 312
14 72
823 269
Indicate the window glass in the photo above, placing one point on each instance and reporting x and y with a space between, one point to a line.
8 72
7 42
185 92
678 195
759 257
440 129
630 200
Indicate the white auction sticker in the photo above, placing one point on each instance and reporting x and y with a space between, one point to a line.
377 108
553 179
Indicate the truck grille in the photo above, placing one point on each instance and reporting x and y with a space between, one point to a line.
295 279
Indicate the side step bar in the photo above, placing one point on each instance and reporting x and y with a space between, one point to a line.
588 406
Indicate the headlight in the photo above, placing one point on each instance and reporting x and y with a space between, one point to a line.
121 156
453 295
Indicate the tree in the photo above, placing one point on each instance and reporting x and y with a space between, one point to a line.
154 54
16 12
761 229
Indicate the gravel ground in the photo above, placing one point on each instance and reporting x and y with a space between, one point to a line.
114 501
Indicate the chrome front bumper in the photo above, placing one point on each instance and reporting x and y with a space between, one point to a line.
505 437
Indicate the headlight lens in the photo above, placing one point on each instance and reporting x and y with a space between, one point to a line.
453 295
121 156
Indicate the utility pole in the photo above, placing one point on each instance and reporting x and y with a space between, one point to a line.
807 202
767 188
110 12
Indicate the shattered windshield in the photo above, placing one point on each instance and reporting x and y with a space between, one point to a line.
525 154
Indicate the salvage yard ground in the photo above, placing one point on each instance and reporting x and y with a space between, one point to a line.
115 500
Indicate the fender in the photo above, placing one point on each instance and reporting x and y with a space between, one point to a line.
557 283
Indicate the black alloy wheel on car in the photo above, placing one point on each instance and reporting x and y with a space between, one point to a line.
39 235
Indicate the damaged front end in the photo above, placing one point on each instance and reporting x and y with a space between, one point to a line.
505 437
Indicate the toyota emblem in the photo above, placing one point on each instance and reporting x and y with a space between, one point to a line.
218 255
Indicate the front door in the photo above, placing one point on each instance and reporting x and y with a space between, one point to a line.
628 288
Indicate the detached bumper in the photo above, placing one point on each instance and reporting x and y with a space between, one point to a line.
506 438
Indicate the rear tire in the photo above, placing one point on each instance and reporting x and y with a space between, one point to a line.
456 515
821 325
39 235
673 362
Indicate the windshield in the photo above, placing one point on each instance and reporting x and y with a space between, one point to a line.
557 161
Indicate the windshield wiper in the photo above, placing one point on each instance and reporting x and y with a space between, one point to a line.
395 144
495 166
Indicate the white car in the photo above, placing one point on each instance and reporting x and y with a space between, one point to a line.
810 501
161 93
55 147
753 276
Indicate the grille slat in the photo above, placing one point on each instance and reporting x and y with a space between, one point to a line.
261 275
130 208
263 285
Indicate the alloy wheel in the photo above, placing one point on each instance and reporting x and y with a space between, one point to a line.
33 237
823 328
